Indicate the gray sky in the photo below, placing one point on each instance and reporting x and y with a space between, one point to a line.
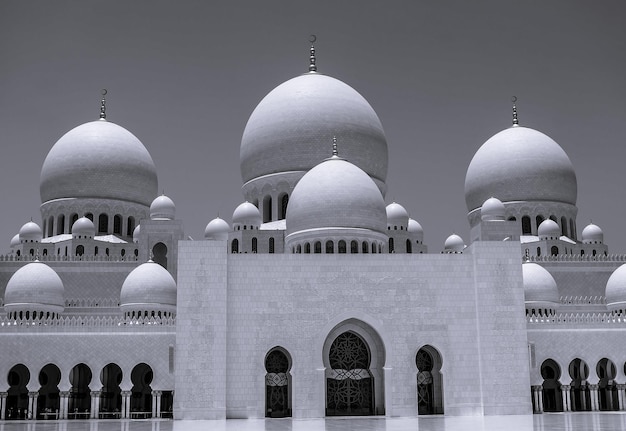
184 76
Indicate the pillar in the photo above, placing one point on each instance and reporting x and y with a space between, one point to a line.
3 404
540 398
65 397
95 405
620 396
125 404
156 404
32 405
594 397
566 398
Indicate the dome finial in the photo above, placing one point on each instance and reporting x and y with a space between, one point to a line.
312 65
103 107
335 152
515 121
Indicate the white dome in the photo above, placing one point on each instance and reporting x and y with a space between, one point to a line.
149 287
246 214
15 241
492 209
397 216
616 290
217 229
30 232
549 229
99 159
540 289
136 233
454 244
83 226
162 208
592 234
34 287
291 127
336 194
520 164
416 230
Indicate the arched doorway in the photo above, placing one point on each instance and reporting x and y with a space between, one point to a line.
580 397
79 403
48 402
607 389
159 254
552 397
141 392
16 406
111 394
277 383
429 381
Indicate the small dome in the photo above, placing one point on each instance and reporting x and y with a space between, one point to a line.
15 241
616 290
162 208
592 234
35 287
290 128
336 194
246 214
540 289
549 229
99 160
415 229
30 232
136 233
217 229
83 227
454 244
147 288
397 216
492 209
520 164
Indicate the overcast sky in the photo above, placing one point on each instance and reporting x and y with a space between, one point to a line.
184 76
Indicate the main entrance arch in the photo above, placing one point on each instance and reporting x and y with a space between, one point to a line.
354 357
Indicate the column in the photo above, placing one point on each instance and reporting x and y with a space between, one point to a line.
125 404
620 396
95 405
65 397
594 397
3 403
32 405
540 398
156 404
565 394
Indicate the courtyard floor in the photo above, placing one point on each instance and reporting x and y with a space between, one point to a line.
613 421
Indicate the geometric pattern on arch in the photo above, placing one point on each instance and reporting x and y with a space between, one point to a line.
429 381
277 383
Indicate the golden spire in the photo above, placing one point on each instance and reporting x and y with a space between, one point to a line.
515 121
103 106
312 58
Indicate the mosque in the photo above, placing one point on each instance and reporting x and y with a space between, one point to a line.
318 298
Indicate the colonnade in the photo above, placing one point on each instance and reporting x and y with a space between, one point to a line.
591 403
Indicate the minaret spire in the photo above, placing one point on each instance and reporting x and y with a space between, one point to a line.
312 58
335 152
103 106
515 121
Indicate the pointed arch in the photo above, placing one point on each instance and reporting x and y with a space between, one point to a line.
277 383
429 381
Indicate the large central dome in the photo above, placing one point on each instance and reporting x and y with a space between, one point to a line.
99 160
292 126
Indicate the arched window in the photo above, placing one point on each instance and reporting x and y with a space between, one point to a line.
234 246
123 252
409 246
317 247
608 399
284 201
73 218
572 229
89 216
299 249
117 224
159 254
130 227
254 245
95 251
526 228
106 251
61 225
593 252
267 209
512 218
538 251
354 247
391 248
554 250
103 223
553 218
277 384
307 248
330 247
373 247
271 245
563 226
80 250
341 247
365 247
